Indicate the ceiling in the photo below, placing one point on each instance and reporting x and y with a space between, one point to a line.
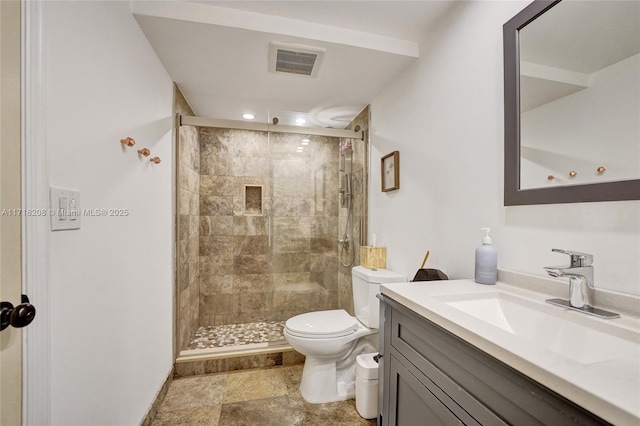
217 53
562 48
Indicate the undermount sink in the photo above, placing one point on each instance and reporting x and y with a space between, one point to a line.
538 323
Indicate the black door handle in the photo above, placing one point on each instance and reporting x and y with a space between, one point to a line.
20 316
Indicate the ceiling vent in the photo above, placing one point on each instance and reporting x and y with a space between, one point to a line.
295 59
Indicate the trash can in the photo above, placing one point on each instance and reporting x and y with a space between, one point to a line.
367 386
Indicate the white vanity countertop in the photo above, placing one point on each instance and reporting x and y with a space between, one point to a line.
609 388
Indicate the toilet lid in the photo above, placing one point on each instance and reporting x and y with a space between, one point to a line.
322 324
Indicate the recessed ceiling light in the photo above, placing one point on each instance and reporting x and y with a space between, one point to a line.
305 141
248 116
300 149
300 120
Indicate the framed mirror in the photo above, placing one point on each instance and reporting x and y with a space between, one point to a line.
572 102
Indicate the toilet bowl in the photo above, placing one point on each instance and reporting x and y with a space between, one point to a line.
329 370
331 340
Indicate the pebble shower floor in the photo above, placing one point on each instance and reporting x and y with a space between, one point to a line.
219 336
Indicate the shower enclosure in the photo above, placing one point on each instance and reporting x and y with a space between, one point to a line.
260 215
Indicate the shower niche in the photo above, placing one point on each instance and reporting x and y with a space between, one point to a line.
253 200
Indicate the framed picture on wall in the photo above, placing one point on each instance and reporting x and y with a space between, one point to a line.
390 168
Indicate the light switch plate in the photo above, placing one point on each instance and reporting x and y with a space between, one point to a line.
64 209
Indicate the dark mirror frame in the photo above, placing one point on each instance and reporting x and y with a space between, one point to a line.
513 195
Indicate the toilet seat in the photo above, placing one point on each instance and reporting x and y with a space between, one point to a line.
322 324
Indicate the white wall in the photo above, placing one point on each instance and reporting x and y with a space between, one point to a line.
111 281
445 116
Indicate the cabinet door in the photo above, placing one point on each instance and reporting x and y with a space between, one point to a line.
411 403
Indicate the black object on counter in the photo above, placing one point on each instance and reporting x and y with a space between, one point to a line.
428 274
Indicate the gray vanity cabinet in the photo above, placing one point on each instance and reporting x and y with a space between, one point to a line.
430 377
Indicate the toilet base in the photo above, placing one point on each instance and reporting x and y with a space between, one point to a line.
326 381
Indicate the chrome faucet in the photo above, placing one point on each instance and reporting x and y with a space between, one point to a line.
581 286
580 274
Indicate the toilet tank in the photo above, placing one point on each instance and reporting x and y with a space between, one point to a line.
366 284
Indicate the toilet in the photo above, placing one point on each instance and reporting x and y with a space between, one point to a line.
331 340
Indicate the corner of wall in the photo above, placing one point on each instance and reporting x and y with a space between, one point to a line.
187 285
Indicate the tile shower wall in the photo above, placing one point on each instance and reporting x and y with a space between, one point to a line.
360 179
274 259
188 223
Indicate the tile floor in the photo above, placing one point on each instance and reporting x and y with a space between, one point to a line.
260 397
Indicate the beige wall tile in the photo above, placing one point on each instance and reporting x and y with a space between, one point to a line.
320 244
218 185
216 225
250 225
251 264
325 226
216 265
254 167
252 283
219 304
257 303
282 281
324 262
244 245
216 245
293 226
211 285
294 187
327 279
290 244
298 302
290 262
216 205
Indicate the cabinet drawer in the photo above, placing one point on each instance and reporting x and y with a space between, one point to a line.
489 390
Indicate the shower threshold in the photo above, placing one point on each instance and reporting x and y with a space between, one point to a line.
229 340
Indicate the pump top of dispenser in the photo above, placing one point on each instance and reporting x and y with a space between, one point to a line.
487 238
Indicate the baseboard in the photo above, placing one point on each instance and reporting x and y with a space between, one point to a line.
157 401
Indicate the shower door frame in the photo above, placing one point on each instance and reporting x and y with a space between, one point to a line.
241 125
187 120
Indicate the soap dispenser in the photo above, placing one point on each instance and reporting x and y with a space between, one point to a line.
486 261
